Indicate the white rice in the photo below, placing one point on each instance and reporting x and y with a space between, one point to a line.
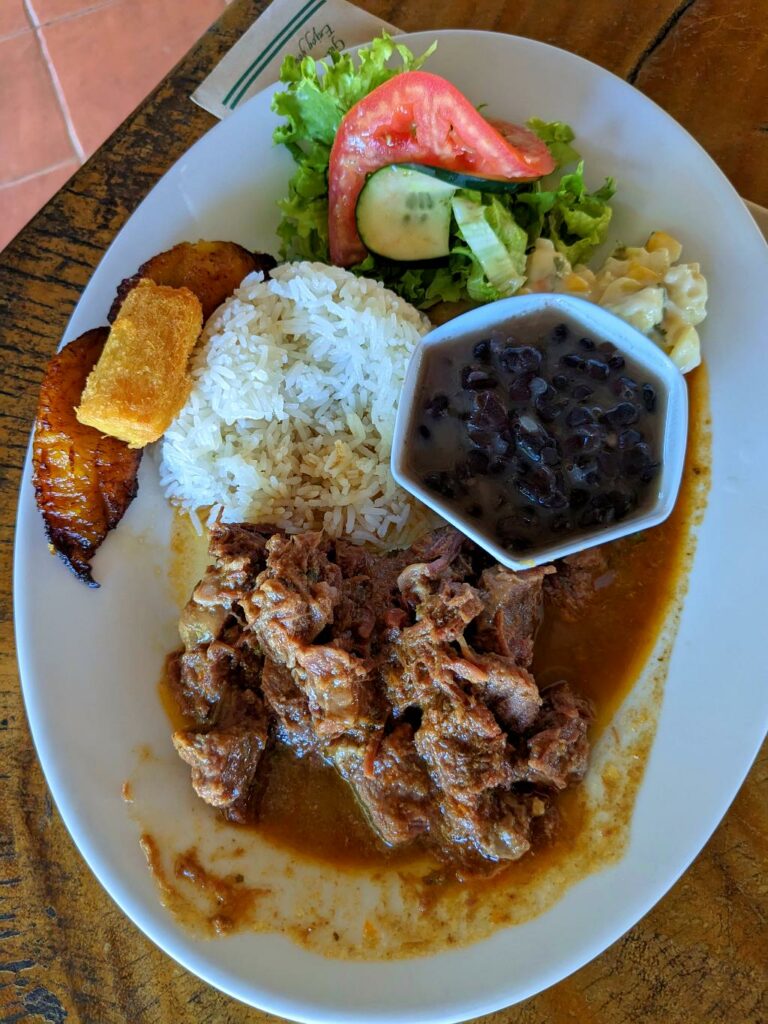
292 409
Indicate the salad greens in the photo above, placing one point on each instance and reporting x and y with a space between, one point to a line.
316 97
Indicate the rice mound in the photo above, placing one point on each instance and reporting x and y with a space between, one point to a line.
292 408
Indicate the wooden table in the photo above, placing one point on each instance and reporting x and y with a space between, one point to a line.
66 952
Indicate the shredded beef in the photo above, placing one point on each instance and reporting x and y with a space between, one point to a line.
293 722
513 609
571 591
408 672
390 782
225 758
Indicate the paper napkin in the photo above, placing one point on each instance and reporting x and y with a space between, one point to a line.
301 27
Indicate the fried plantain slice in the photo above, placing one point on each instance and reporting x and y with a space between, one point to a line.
211 270
83 480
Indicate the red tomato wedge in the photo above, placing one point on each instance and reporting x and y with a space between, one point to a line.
416 117
525 140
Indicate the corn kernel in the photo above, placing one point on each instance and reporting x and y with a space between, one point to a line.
575 283
661 240
643 275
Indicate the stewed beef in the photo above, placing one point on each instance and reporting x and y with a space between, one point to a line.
408 672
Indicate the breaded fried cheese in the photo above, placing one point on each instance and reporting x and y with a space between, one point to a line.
141 380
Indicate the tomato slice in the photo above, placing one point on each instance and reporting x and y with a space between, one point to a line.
415 117
525 140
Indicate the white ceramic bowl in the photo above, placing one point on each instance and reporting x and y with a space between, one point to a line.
672 397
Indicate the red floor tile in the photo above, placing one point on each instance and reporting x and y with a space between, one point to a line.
13 17
137 42
51 10
19 203
32 128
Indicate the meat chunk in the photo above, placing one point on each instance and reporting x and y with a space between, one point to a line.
419 659
509 690
558 750
294 598
224 759
513 605
290 708
338 686
390 782
463 746
578 578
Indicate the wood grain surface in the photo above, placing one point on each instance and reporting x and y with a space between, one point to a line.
66 952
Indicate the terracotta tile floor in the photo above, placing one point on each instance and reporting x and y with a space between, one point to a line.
70 72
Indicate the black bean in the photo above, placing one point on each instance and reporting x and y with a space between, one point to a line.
609 463
560 332
520 359
636 459
581 391
549 455
482 351
572 359
597 369
560 382
434 481
649 397
578 416
617 362
425 432
477 462
437 406
473 378
548 409
520 387
629 438
488 413
620 415
587 343
624 387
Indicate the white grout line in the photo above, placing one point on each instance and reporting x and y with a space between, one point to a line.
73 137
36 174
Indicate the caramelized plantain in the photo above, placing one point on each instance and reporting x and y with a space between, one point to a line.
211 270
83 480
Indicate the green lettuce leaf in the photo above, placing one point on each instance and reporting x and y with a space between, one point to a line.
576 220
558 137
317 96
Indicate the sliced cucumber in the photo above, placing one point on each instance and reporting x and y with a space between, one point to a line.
492 255
470 181
405 215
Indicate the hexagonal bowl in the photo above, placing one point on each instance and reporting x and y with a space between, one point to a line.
672 397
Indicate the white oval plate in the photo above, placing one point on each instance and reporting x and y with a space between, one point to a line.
89 659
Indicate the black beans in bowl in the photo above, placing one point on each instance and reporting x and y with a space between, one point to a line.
537 432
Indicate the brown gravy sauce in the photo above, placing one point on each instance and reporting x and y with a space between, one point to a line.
307 811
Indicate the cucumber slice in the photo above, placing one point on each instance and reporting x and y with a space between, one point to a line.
492 255
405 215
469 181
